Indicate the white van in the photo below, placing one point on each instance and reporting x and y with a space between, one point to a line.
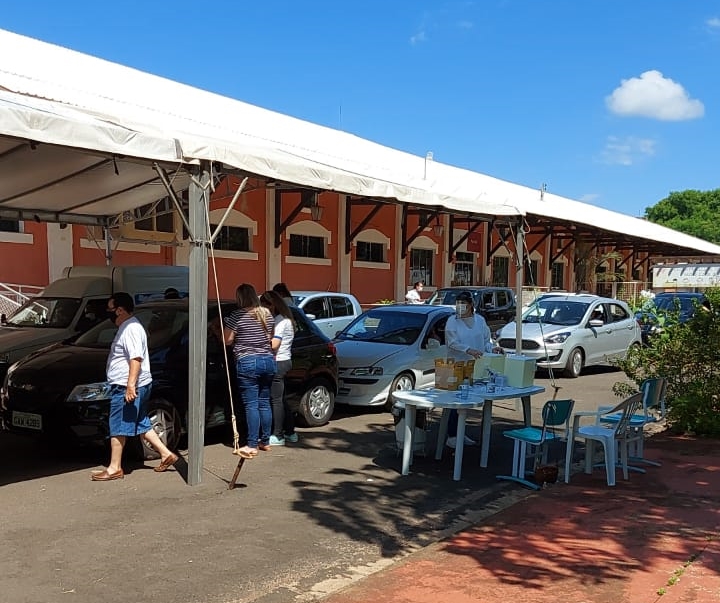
76 302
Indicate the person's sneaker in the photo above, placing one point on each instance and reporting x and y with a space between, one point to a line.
452 442
292 438
275 441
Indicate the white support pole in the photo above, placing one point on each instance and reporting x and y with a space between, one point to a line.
519 277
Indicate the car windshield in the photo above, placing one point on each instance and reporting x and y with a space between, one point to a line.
684 305
46 313
378 326
447 297
161 325
554 311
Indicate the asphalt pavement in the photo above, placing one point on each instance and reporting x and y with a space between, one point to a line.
305 523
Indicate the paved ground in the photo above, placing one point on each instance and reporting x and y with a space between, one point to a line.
654 537
306 523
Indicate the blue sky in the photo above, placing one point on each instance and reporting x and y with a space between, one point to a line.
611 102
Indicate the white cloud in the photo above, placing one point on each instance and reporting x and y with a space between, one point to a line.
626 151
419 37
655 96
713 23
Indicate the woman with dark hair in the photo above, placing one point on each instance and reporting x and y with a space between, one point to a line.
283 335
282 290
249 330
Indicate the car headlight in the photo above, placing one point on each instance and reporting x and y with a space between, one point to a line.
557 338
90 392
365 371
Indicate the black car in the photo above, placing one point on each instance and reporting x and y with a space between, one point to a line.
666 308
61 389
495 304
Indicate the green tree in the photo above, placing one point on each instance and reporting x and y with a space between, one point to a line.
692 212
688 355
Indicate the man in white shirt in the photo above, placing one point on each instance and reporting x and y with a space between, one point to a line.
413 296
128 373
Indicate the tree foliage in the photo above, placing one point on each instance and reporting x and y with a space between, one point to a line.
688 355
692 212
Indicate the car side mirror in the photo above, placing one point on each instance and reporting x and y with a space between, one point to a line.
596 322
310 316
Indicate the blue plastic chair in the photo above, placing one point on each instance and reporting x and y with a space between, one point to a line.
531 442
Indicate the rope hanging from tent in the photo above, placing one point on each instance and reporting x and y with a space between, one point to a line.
211 246
526 253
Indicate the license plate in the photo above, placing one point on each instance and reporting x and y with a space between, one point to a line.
27 420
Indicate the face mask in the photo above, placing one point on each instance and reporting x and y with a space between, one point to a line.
461 308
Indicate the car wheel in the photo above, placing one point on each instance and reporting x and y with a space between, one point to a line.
165 420
574 365
317 404
403 382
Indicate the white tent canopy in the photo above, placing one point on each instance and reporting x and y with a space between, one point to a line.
81 138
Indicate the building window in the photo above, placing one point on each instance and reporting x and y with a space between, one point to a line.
156 216
463 272
421 265
500 271
370 252
232 238
9 226
306 246
531 273
557 276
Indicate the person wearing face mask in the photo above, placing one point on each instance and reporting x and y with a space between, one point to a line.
128 373
467 337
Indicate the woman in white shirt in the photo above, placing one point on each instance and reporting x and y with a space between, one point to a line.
282 339
467 336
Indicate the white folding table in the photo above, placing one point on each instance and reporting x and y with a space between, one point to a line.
478 398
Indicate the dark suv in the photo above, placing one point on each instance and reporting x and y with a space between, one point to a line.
495 304
61 390
676 307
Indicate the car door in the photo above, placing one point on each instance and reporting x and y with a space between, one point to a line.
596 340
429 351
624 329
318 309
343 313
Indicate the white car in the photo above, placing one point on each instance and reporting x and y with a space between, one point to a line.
569 332
389 348
329 310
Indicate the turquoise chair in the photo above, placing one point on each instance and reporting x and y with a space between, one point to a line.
531 442
654 392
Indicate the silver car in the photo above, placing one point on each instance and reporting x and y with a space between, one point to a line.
389 348
329 310
570 332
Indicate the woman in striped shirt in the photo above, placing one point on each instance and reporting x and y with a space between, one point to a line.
249 330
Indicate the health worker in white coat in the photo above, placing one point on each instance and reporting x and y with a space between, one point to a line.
467 337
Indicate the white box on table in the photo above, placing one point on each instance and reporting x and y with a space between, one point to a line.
491 361
519 370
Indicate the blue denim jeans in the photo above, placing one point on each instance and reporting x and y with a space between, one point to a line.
254 377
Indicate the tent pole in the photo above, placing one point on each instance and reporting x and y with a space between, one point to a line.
519 278
198 193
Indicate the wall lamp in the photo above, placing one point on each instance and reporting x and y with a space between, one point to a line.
438 228
316 210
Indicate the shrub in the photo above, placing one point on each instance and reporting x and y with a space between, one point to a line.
688 355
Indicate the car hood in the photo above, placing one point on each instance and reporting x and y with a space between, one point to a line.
16 339
534 330
351 354
65 366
